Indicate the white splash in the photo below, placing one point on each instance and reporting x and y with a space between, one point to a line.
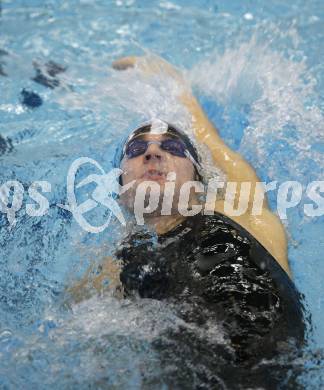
280 92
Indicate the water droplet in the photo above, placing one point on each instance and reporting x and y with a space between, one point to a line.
248 16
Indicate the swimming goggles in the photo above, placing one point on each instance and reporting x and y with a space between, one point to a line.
174 146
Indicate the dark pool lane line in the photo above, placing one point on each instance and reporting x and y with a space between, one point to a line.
3 53
46 75
5 145
30 99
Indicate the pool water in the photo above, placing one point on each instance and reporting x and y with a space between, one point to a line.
257 69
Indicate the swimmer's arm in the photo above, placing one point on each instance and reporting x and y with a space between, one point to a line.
265 227
232 164
95 281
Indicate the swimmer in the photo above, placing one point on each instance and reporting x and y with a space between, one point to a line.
216 268
266 227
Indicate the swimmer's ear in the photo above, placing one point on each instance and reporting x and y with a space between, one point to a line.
124 63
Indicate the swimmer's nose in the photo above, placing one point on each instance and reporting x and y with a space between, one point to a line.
153 153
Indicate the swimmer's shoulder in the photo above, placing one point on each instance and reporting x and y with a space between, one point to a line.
266 228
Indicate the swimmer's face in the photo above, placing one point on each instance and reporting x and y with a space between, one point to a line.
154 165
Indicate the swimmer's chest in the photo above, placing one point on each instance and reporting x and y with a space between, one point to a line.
199 257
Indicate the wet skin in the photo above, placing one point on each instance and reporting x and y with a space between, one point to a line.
155 165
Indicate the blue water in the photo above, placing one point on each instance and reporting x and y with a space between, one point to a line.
257 69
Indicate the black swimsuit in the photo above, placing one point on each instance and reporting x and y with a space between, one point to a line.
213 271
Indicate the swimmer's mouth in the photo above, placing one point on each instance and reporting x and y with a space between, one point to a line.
154 174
